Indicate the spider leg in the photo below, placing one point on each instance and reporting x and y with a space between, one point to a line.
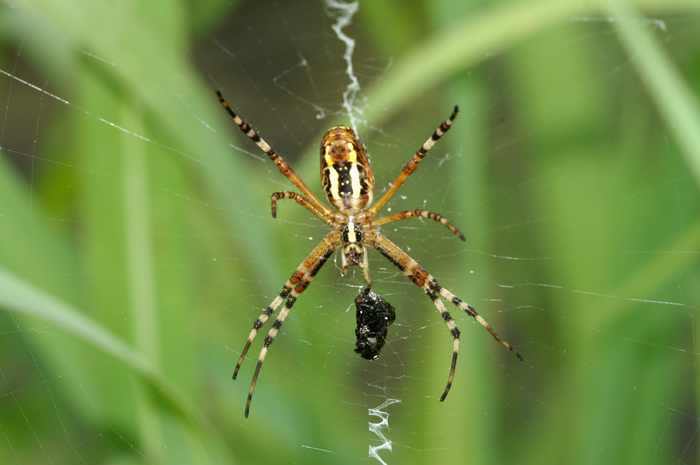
286 290
412 214
421 278
261 321
365 268
297 284
301 200
288 286
412 164
281 164
470 310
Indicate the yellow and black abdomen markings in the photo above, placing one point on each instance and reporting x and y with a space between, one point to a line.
345 186
346 174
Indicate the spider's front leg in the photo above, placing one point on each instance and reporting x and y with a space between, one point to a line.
421 278
297 284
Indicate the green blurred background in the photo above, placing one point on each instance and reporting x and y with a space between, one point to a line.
137 246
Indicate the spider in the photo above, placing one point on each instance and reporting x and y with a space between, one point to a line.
348 182
374 316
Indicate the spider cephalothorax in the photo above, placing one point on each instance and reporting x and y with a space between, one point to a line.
348 182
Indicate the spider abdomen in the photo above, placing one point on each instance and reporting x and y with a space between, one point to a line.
346 173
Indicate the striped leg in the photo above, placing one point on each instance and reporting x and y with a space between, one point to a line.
421 278
436 289
301 200
470 310
412 164
261 321
281 164
412 214
297 284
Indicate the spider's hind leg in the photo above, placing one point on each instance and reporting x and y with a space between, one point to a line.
413 164
319 209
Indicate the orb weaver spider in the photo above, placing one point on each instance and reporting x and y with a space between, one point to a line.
348 182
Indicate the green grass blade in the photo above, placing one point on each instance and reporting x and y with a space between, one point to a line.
19 296
456 47
667 88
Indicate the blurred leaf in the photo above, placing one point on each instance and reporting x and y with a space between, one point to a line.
19 296
674 98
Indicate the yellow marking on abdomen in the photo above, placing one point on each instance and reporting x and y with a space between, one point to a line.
355 180
332 177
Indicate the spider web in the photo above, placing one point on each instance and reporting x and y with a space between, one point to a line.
137 246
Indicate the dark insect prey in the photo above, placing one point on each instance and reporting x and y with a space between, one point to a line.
374 316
